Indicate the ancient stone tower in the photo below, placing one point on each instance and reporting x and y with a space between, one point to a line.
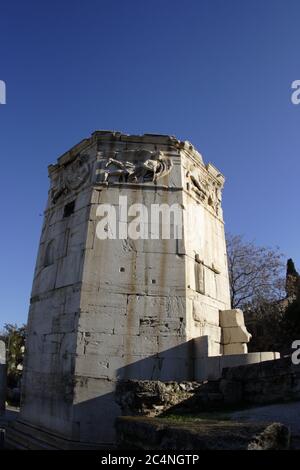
104 309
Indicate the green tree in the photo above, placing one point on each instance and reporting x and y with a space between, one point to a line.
290 268
14 338
291 321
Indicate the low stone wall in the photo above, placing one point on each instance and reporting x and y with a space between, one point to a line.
267 382
262 383
211 367
160 434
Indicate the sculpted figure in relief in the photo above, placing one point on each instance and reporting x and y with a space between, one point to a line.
151 169
70 177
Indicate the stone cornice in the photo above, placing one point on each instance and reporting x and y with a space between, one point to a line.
165 142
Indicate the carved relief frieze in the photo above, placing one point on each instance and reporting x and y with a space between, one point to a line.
70 177
134 166
205 188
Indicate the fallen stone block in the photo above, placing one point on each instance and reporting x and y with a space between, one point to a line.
230 318
235 334
235 348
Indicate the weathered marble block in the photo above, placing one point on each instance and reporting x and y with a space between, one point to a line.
231 318
235 348
236 334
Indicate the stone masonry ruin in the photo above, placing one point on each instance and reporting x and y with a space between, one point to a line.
104 310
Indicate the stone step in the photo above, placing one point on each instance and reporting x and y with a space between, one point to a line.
20 435
22 441
33 435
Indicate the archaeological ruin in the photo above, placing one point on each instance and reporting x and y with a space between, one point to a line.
109 309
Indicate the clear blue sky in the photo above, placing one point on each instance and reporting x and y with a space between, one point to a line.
215 72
